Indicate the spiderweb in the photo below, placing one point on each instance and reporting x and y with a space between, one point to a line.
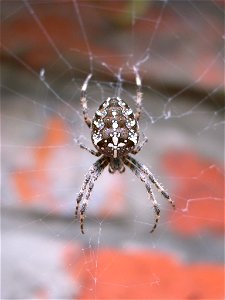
48 49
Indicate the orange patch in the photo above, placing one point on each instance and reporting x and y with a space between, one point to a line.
31 183
113 274
199 193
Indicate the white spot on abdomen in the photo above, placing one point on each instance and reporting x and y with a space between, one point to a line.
115 140
114 125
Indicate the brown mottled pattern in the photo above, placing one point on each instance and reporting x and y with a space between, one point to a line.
116 111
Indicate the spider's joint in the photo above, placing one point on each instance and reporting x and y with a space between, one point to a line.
85 84
138 78
156 208
84 103
139 97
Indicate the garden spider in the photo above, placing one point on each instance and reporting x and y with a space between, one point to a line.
115 135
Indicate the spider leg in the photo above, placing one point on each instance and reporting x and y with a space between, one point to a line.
86 148
152 178
140 146
89 190
139 94
93 174
83 100
88 176
140 174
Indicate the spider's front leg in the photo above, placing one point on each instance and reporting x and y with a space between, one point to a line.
83 100
92 175
153 180
140 174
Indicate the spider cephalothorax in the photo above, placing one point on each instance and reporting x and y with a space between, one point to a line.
115 135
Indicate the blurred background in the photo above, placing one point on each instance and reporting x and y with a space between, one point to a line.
47 50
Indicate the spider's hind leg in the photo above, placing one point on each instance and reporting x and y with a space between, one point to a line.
139 94
83 100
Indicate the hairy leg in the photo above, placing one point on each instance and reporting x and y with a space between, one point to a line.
140 174
152 178
92 175
140 146
93 169
93 152
88 194
139 94
83 100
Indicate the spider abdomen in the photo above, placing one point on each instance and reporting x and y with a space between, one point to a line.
115 131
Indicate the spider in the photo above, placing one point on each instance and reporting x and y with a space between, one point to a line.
115 135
